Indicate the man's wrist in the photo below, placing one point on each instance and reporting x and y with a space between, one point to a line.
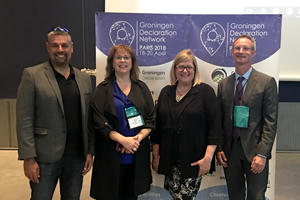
29 159
261 156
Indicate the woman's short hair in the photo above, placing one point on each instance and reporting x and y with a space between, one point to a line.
184 56
110 72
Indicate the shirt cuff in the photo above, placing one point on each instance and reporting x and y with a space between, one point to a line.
261 156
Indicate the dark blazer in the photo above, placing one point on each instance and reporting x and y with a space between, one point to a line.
198 124
41 126
261 97
105 176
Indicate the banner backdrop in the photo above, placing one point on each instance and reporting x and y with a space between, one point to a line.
157 38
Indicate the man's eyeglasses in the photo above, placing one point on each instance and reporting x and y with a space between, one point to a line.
181 68
124 57
59 29
245 49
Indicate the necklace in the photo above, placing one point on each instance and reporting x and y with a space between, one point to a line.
180 96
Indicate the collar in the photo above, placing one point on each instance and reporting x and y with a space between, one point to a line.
57 73
246 75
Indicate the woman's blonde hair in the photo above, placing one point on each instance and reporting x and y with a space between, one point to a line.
184 56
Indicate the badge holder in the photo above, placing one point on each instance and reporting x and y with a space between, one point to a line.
134 118
241 116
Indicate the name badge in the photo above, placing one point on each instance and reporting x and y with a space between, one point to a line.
136 121
134 118
241 116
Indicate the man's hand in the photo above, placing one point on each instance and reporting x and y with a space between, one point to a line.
31 169
258 164
221 158
88 164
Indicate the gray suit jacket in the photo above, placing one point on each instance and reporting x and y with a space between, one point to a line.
261 97
41 126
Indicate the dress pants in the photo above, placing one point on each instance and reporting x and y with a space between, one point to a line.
238 174
69 172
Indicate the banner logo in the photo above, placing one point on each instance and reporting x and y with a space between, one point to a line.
121 32
212 36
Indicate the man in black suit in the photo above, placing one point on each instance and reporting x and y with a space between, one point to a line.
53 103
249 125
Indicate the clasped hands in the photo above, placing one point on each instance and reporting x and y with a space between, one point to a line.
130 144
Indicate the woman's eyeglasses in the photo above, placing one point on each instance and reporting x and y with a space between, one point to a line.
181 68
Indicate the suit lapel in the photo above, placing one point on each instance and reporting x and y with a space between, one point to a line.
80 85
230 86
253 78
230 90
53 82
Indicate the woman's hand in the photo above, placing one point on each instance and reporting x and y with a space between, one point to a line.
155 162
204 166
130 144
155 157
204 163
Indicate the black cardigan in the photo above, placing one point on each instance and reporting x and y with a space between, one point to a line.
105 175
197 125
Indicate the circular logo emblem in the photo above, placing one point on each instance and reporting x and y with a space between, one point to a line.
121 32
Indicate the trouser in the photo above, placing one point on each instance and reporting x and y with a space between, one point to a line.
69 172
239 170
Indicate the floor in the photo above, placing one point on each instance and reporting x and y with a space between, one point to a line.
14 185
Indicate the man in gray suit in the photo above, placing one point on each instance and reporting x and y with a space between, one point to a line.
249 124
53 103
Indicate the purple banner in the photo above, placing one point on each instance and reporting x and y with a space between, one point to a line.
155 38
212 36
